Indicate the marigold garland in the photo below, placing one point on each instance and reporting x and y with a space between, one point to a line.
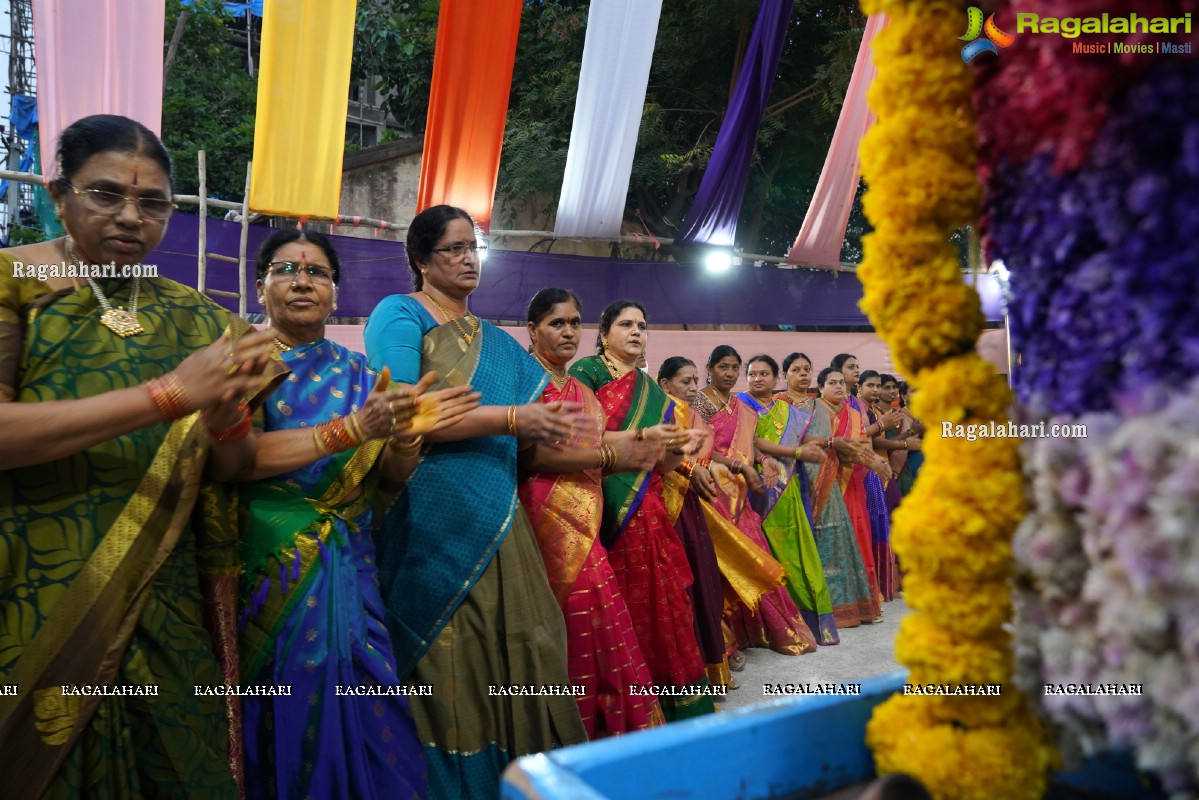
954 532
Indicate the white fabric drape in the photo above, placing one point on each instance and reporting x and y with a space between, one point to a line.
612 81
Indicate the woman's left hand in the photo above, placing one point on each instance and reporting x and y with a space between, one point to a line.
772 470
704 483
811 452
690 441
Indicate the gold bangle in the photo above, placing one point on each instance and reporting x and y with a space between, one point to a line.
407 450
320 446
511 420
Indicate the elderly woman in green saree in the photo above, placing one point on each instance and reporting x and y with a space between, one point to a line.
468 602
101 464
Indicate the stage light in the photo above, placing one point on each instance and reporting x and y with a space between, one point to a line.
719 260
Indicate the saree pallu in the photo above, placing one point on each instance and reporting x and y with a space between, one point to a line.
468 603
313 615
852 478
786 522
99 582
776 621
907 478
648 558
602 651
707 592
879 511
854 601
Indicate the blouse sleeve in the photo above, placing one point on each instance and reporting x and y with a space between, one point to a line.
394 335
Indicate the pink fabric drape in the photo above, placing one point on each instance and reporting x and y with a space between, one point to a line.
823 231
96 57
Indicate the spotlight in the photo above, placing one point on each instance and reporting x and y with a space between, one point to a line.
481 254
718 260
1000 270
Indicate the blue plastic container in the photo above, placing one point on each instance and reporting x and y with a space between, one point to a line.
804 747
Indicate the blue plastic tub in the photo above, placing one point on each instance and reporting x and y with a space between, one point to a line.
800 747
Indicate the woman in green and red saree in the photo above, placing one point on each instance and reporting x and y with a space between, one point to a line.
785 519
468 603
564 499
312 616
832 428
104 579
643 547
776 622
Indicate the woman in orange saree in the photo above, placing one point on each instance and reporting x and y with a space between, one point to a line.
776 623
854 600
565 509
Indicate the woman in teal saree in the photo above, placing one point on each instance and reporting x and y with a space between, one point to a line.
785 519
643 546
468 603
313 617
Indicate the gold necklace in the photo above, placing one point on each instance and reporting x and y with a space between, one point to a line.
118 320
557 376
724 401
612 368
281 346
474 321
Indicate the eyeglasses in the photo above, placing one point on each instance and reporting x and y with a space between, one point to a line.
458 249
157 208
292 270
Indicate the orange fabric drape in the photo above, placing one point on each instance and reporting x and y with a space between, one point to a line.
468 104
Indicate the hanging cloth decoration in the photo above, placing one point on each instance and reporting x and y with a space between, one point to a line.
823 231
608 108
303 89
468 105
96 57
713 215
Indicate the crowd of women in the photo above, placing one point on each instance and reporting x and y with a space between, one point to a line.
389 574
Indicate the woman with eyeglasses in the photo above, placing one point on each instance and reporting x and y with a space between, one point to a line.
468 602
105 581
333 438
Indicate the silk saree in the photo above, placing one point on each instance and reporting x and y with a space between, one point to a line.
775 621
312 617
854 599
101 564
468 604
647 556
602 651
786 520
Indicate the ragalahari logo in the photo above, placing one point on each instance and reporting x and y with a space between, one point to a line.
974 26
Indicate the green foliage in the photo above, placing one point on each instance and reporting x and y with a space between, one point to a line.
393 49
208 102
19 234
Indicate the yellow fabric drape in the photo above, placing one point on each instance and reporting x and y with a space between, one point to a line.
303 89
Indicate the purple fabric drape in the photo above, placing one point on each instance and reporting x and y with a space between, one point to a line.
713 215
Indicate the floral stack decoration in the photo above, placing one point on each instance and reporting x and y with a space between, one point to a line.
954 532
1090 166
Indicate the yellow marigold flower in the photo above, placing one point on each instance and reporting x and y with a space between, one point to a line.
936 654
898 251
971 608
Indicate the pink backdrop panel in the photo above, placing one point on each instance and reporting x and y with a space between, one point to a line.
96 57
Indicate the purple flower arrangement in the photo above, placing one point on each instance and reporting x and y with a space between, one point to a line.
1097 222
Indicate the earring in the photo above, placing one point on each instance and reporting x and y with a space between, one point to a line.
604 342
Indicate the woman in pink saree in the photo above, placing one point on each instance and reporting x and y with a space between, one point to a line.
776 623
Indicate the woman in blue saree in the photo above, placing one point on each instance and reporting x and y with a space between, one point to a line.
784 506
312 617
469 606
